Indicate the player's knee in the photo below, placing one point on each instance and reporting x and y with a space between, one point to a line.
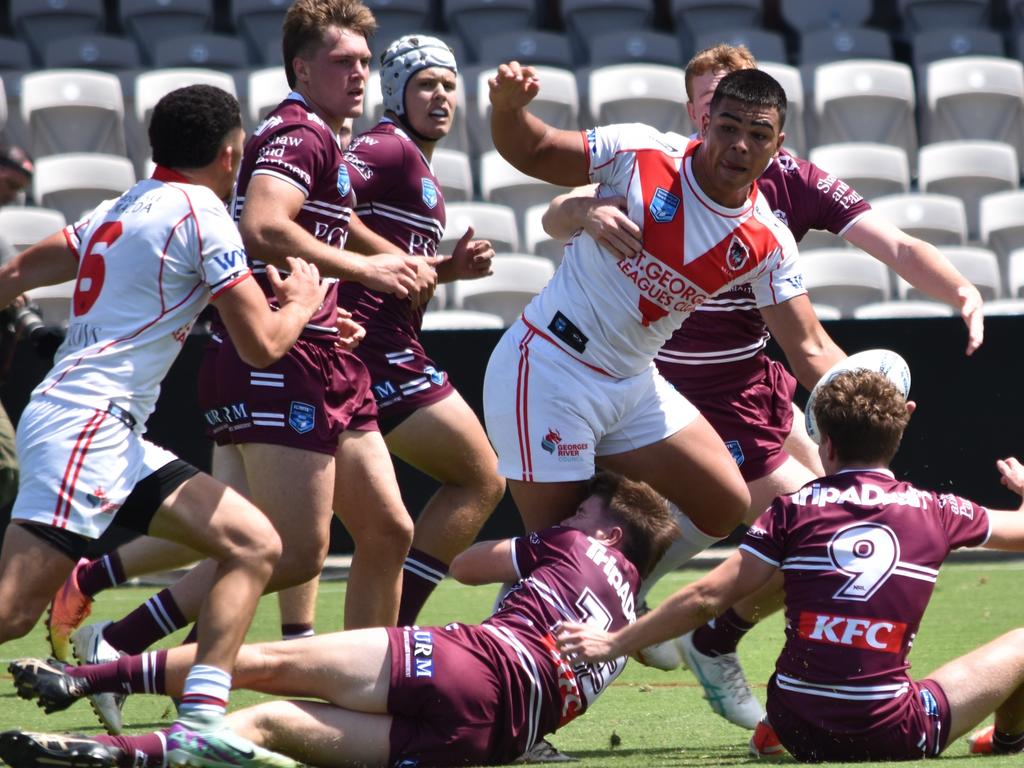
387 536
302 561
492 488
17 619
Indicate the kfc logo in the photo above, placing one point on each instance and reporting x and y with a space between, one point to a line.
866 634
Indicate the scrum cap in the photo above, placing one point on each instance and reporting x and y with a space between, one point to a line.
403 59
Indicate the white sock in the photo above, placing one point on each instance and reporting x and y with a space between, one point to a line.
682 550
206 691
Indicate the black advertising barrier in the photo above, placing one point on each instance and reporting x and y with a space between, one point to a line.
969 408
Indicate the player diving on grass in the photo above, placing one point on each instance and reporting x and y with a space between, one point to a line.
453 695
859 552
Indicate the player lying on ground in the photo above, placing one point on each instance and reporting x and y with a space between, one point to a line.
859 552
453 695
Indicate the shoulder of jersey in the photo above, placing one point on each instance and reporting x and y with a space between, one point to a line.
292 112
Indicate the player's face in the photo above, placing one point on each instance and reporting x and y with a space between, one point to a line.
430 101
739 141
11 184
703 87
333 78
591 517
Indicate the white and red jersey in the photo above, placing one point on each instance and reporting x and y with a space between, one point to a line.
148 262
624 310
860 552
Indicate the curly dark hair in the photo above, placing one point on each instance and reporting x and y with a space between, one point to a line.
189 125
864 415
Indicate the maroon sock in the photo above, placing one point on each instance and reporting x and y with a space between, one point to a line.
142 673
193 635
154 620
101 574
722 635
295 631
147 750
420 575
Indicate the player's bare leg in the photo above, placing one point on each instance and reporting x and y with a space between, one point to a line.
30 572
989 678
786 478
297 606
799 445
369 504
542 505
245 548
446 441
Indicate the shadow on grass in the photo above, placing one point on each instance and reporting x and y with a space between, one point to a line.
665 756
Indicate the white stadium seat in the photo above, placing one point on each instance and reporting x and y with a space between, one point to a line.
865 100
452 170
632 46
461 320
475 19
76 183
537 241
873 170
837 43
976 97
791 82
259 23
266 89
845 279
557 103
39 22
648 93
517 278
937 219
23 226
696 17
106 52
810 15
968 170
765 44
1001 222
201 50
1015 275
501 183
151 86
73 110
150 21
496 223
887 310
919 15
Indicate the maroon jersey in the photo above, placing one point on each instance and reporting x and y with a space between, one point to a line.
293 144
860 552
564 576
720 342
400 199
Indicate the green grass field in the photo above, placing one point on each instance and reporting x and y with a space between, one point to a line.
656 718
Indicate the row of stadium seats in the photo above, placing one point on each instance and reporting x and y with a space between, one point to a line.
250 29
862 100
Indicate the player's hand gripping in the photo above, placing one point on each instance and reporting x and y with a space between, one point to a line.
584 643
471 258
513 87
302 286
395 273
605 220
350 333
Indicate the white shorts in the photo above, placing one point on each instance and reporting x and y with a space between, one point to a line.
78 465
548 415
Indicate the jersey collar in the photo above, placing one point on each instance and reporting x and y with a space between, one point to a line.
163 173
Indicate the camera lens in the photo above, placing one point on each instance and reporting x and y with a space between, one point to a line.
29 324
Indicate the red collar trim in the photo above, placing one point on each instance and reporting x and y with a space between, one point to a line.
163 173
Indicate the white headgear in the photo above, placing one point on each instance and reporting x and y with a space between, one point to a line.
403 59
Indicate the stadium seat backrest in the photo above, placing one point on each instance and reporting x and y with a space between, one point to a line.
92 52
396 18
537 241
791 82
201 50
811 15
835 44
150 21
918 15
451 167
461 320
38 23
474 20
585 19
267 88
969 170
557 103
490 221
259 23
649 93
151 86
501 183
77 182
695 17
765 44
23 226
976 97
935 44
872 169
844 278
528 46
73 110
887 310
629 46
937 219
1001 221
517 278
865 100
1015 275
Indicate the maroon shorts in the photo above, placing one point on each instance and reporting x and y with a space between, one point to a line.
305 400
921 731
445 700
753 417
404 378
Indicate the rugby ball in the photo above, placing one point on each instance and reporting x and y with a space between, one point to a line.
884 361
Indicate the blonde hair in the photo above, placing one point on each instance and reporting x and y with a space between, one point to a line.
307 20
718 58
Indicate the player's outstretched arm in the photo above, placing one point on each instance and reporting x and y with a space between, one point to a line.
924 267
48 262
526 141
261 335
1007 526
809 350
604 219
486 562
692 606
